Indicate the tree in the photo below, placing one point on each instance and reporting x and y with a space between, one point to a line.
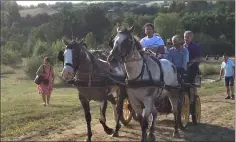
193 6
11 8
96 22
42 5
91 41
168 25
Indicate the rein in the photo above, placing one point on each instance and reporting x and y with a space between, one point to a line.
90 75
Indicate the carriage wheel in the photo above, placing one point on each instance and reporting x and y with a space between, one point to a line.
184 112
127 114
196 115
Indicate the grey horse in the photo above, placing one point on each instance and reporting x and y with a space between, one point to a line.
155 79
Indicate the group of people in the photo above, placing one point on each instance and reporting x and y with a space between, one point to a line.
184 53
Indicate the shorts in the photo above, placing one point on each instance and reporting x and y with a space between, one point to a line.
229 81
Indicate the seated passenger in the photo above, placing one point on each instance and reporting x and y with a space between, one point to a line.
179 55
152 41
194 56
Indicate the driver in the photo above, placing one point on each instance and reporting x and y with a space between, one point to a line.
152 41
179 55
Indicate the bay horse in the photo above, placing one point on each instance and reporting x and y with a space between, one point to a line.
92 77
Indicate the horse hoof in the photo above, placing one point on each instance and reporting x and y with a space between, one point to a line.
116 134
87 140
176 135
109 131
151 138
144 138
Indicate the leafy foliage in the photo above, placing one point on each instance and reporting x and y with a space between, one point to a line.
91 41
40 35
168 25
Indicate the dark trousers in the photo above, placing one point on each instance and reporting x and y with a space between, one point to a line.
229 81
192 71
181 71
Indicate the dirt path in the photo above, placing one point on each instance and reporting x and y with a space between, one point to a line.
217 124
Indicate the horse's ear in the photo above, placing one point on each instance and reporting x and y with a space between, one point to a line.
65 42
131 29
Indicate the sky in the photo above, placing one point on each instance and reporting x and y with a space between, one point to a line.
28 3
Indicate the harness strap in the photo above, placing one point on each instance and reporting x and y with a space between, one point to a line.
141 73
161 70
148 70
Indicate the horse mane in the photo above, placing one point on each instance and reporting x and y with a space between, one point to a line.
137 43
91 56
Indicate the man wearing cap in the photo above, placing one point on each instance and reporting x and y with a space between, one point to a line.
151 41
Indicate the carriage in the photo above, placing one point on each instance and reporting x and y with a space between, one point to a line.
190 105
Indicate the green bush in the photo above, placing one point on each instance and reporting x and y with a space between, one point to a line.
32 65
215 46
208 69
58 45
7 70
44 49
10 57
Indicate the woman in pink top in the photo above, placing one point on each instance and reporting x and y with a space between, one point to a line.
45 87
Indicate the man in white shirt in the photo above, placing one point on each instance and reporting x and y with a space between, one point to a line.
152 41
228 68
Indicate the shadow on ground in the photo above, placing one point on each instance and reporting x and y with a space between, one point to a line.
201 132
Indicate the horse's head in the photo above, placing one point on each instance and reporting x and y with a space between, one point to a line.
123 45
72 56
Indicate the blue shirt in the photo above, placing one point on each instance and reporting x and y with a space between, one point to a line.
193 49
228 68
179 57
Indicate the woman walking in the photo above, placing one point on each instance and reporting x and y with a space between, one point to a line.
45 87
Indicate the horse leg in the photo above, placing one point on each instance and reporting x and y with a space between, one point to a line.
103 107
175 108
119 110
148 103
85 104
151 136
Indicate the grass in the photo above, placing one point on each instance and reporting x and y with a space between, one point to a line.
23 113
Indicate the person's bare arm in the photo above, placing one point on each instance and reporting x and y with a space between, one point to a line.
53 75
40 70
221 72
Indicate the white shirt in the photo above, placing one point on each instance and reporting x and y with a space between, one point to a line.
228 68
153 42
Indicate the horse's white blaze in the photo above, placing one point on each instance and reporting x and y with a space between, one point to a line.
67 72
68 56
